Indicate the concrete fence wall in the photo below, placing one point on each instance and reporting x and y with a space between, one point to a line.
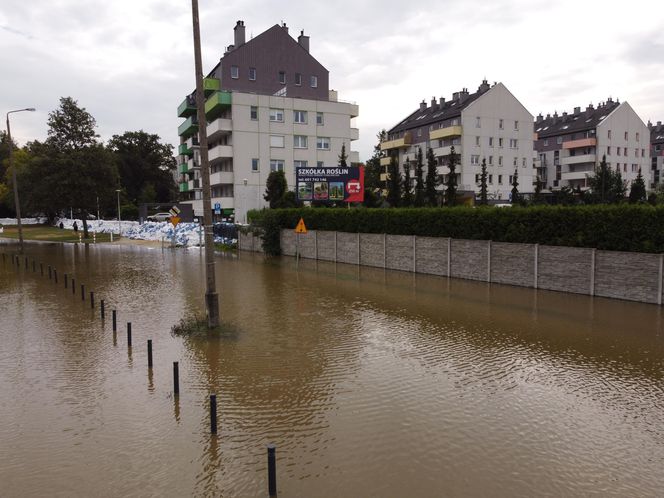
620 275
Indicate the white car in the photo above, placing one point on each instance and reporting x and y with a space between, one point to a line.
160 217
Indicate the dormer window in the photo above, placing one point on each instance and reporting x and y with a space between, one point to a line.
252 74
298 79
314 82
282 77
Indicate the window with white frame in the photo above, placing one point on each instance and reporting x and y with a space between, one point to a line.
500 142
515 162
298 79
559 140
500 124
320 164
314 82
320 121
300 117
513 143
254 113
300 141
637 136
490 178
477 141
252 74
490 141
276 165
282 77
300 164
474 159
500 179
276 140
323 143
490 160
523 162
478 123
626 136
254 164
500 160
516 125
546 142
609 134
235 72
277 115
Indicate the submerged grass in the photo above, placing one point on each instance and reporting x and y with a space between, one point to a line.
195 326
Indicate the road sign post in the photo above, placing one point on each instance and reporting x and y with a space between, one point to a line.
300 228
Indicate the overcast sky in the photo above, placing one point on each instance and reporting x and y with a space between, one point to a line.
130 63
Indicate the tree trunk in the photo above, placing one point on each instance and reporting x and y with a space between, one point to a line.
85 224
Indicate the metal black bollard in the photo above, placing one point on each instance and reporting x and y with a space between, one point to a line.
82 292
149 353
34 269
176 378
50 275
128 334
103 311
55 275
213 413
26 262
73 286
271 470
41 269
65 280
115 321
92 300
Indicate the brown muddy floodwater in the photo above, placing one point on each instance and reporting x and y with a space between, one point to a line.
369 382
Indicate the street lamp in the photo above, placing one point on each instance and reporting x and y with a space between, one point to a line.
17 204
119 222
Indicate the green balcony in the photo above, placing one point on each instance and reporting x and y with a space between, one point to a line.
183 168
189 127
184 186
185 151
216 104
187 108
210 85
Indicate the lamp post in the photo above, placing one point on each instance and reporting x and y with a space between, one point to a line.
119 221
17 204
244 197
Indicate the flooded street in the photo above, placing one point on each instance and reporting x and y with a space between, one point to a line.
369 383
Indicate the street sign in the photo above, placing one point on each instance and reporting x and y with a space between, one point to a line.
217 206
175 220
300 228
174 211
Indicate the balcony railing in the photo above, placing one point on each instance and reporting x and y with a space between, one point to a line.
582 142
579 159
189 127
184 150
216 104
210 85
184 187
183 168
187 107
397 143
449 131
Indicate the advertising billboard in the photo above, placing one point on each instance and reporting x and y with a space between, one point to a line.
330 184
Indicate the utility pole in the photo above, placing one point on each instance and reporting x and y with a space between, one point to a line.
211 296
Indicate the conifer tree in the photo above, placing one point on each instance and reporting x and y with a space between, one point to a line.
483 187
432 180
451 190
393 182
637 192
515 185
407 188
419 179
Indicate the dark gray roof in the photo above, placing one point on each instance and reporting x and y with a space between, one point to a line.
657 134
436 113
580 120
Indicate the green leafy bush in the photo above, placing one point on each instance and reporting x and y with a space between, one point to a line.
636 228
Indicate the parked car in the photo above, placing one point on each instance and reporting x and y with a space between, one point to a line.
160 217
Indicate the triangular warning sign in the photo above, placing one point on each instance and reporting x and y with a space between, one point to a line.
300 228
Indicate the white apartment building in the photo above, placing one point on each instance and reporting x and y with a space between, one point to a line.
268 108
489 124
570 146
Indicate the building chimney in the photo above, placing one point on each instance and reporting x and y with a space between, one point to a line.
285 28
590 108
239 33
441 102
484 86
303 40
423 105
433 102
577 110
659 123
539 118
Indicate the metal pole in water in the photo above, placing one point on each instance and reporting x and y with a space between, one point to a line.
65 280
82 292
213 413
50 274
73 286
34 269
26 262
271 470
101 308
176 378
55 275
115 321
149 353
129 334
41 268
92 300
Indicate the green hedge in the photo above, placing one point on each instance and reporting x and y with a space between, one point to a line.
637 228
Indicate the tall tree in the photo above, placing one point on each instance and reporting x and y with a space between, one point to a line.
372 168
419 198
600 182
451 190
394 182
515 190
407 186
144 165
343 156
432 179
71 127
618 189
637 192
537 198
483 187
276 187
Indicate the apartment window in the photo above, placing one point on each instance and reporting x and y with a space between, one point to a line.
559 140
298 79
474 159
300 117
419 132
500 179
277 115
319 119
254 164
636 152
637 136
546 142
609 134
454 122
300 164
523 162
320 164
516 125
490 160
626 135
477 179
490 141
314 82
515 162
500 142
643 152
511 177
477 141
276 140
254 113
500 124
608 150
618 150
252 74
625 151
513 143
500 160
276 165
477 122
282 77
235 72
323 143
300 141
490 178
625 168
635 168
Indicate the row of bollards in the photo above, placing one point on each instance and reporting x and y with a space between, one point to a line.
53 275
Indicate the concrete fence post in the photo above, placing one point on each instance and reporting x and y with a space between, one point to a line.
384 250
659 286
488 262
414 254
335 246
358 248
449 256
316 245
535 283
592 271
